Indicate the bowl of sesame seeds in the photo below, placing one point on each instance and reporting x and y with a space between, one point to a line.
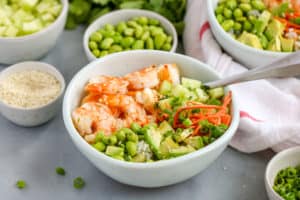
30 93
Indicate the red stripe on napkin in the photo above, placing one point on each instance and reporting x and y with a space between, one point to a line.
244 114
204 28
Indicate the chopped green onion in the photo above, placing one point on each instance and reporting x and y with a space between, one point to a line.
21 184
78 183
60 171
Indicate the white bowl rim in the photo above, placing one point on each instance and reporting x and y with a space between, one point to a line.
278 156
239 44
110 14
43 65
65 4
73 133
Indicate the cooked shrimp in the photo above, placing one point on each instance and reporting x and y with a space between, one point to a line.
145 78
91 117
148 97
107 85
169 72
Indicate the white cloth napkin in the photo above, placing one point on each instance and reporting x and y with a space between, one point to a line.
270 109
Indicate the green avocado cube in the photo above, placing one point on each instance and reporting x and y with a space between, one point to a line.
153 138
114 151
182 150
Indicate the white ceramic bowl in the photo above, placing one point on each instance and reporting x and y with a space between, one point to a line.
282 160
32 116
125 15
34 46
246 55
156 174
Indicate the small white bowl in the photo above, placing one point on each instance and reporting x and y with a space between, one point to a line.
249 56
29 117
125 15
36 45
160 173
284 159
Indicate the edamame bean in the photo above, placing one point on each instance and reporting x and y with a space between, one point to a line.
135 127
105 138
237 13
154 31
264 41
245 7
237 26
159 40
109 27
131 136
142 20
227 13
121 135
145 35
219 9
227 24
117 39
100 146
93 45
121 27
99 136
96 53
220 18
127 42
131 148
106 43
132 24
149 43
138 44
166 47
247 26
113 140
241 19
154 22
138 32
258 4
103 53
169 39
97 37
129 31
231 4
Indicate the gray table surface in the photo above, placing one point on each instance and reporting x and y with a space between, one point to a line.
33 154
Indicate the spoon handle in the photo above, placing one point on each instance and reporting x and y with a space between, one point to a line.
278 71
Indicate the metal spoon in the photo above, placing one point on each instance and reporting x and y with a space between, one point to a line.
287 67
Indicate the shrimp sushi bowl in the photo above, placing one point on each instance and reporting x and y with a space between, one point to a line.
145 118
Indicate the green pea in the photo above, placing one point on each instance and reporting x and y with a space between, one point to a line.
109 27
127 42
227 13
113 140
121 27
238 13
106 43
220 18
103 53
219 9
166 47
115 48
142 20
138 32
100 146
128 32
96 53
97 37
93 45
131 148
257 4
159 40
138 44
121 135
227 24
135 127
245 7
237 26
145 35
154 22
247 26
231 4
149 43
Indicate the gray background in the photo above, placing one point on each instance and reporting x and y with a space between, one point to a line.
33 154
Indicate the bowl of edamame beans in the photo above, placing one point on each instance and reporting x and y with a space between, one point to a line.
250 31
129 29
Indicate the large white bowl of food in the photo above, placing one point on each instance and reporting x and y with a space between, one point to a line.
257 32
144 118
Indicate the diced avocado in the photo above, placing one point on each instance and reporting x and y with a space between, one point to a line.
165 127
153 138
165 104
190 83
181 136
216 93
262 22
274 45
166 146
165 87
181 151
202 95
274 29
264 41
32 27
114 151
141 157
250 40
180 91
195 142
287 45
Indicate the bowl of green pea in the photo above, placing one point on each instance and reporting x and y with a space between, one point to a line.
129 29
282 177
